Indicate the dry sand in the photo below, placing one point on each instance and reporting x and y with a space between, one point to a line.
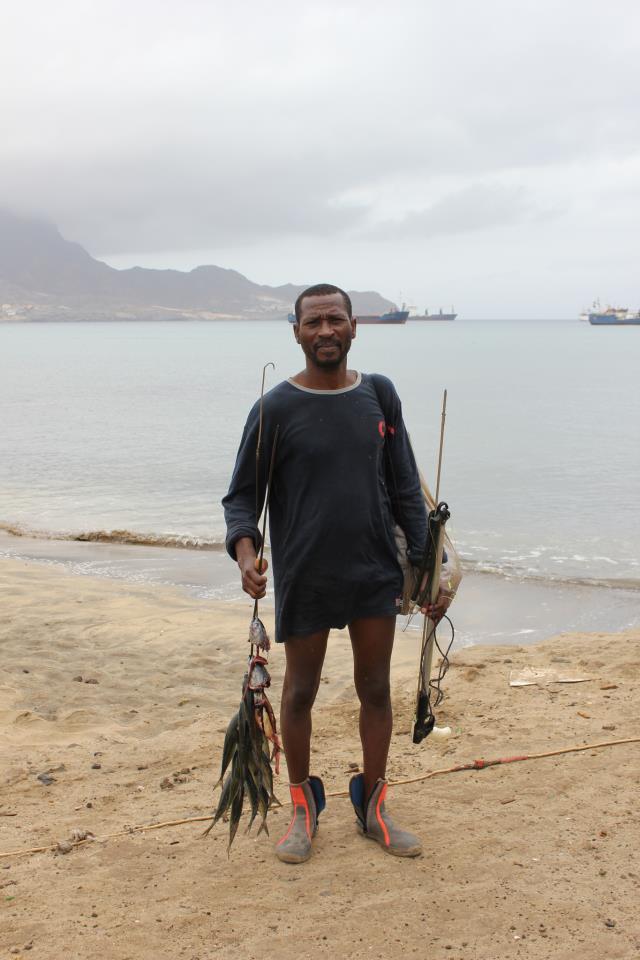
536 859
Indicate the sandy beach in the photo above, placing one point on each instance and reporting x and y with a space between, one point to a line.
121 693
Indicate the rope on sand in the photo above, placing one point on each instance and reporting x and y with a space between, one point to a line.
474 765
481 764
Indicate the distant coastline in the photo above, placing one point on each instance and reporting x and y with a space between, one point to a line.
204 317
141 317
46 278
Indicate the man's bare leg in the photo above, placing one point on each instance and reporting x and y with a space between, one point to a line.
372 642
305 656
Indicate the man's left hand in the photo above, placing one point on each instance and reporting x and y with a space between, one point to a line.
436 611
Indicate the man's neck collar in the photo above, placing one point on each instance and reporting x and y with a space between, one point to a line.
315 378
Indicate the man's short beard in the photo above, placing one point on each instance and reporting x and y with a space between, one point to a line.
329 364
333 362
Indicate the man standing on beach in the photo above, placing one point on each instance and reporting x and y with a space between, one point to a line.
334 553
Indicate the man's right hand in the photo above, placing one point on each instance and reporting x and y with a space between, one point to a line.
254 581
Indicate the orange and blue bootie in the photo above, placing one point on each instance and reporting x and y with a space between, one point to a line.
374 822
308 802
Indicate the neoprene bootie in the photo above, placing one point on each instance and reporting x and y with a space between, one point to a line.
308 803
375 823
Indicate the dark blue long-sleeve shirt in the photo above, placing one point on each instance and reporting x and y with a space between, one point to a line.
336 496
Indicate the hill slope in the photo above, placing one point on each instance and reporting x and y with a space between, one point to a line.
45 277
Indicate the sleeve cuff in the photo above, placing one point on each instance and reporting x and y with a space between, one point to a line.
232 538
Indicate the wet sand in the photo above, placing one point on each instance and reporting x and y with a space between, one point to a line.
535 859
490 608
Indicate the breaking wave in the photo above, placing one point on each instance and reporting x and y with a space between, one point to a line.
502 568
512 572
171 540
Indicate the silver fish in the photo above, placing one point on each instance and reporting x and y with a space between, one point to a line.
258 676
258 636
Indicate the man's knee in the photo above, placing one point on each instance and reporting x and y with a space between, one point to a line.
299 695
374 691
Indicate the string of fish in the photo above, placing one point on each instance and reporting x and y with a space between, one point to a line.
251 743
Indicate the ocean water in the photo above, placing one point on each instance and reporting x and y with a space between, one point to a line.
134 427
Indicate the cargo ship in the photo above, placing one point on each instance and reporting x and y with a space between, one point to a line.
615 316
594 308
392 316
441 315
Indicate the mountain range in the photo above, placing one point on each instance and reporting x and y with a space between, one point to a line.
43 277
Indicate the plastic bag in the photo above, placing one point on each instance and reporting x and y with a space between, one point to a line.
451 572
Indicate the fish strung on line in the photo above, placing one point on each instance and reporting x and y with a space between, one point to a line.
258 677
251 745
251 742
258 635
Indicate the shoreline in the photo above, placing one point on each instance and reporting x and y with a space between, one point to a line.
490 607
160 675
10 533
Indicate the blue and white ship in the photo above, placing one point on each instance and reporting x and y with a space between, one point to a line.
594 308
614 316
392 316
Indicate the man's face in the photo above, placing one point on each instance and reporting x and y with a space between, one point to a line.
324 330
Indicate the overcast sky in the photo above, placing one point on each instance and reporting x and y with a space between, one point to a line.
484 153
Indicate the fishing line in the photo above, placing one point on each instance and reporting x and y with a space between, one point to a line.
443 666
258 448
264 517
435 691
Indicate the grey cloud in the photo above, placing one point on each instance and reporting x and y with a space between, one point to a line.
476 207
157 130
177 202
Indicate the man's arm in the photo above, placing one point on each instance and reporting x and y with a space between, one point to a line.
405 491
243 536
407 500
